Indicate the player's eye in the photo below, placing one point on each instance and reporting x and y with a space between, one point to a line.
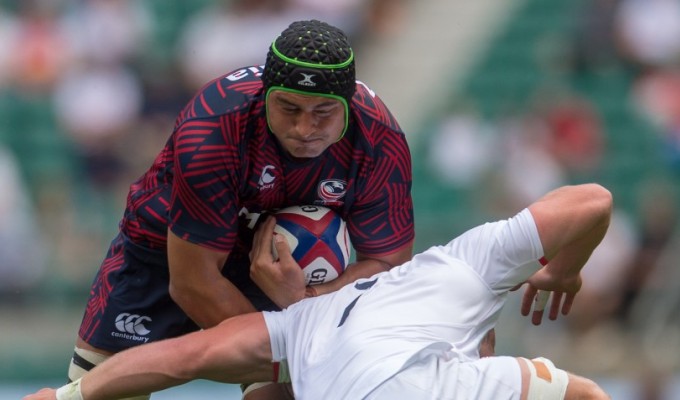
290 110
323 113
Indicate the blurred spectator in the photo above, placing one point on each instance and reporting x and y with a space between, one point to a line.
229 35
595 45
97 106
384 18
651 299
576 139
163 99
8 31
658 220
653 319
22 249
347 15
461 150
99 100
207 46
605 277
649 31
108 32
657 95
527 168
559 140
39 47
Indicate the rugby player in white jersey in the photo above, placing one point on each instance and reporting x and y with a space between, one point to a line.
409 333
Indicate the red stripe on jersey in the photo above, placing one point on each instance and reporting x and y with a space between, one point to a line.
205 105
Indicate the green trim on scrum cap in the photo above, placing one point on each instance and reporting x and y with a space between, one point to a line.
309 64
302 92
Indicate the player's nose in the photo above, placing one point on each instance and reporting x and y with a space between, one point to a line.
306 124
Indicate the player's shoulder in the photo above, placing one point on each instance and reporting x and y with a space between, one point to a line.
234 92
369 108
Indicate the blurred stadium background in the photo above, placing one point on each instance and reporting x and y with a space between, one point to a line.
501 101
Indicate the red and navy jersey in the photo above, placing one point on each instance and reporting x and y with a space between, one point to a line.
222 168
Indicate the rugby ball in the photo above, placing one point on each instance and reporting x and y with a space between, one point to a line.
318 241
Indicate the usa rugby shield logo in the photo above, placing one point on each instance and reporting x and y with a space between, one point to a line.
331 190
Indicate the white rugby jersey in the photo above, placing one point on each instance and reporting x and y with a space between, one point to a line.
345 344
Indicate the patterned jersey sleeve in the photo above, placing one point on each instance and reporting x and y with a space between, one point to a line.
382 220
203 207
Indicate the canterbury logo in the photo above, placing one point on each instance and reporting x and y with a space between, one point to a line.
267 177
307 80
132 324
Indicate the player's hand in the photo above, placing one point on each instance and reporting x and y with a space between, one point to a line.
282 279
536 299
42 394
543 285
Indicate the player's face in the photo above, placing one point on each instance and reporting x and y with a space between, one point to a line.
305 125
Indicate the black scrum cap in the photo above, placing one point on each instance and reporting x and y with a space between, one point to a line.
311 57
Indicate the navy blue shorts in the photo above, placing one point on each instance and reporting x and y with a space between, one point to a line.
130 304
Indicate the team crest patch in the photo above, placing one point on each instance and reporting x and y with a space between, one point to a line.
332 190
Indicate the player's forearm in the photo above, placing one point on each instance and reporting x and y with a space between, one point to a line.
572 222
235 351
135 372
573 256
198 286
125 386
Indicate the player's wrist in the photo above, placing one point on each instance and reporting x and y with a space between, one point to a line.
70 391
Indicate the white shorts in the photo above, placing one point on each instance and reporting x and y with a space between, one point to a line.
492 378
